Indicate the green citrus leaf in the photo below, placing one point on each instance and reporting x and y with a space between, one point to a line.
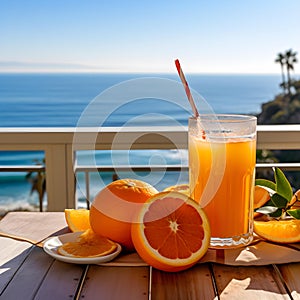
269 203
266 210
270 191
279 201
283 186
276 214
294 213
266 183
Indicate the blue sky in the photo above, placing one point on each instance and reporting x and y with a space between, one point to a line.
212 36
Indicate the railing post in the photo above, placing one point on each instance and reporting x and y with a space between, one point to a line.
71 177
60 178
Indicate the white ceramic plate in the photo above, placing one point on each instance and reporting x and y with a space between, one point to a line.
51 245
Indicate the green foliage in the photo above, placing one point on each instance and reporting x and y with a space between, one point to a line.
279 201
283 186
281 195
294 213
266 184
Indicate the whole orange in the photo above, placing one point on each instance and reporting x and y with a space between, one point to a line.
114 207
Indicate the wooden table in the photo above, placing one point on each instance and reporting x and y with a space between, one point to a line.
27 272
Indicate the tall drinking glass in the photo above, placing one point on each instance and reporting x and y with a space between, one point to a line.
222 155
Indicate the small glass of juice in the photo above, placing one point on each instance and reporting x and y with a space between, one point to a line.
222 156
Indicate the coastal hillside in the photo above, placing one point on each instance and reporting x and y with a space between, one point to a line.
284 109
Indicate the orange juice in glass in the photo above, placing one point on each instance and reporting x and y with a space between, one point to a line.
222 155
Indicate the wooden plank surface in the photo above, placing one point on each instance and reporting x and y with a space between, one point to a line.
60 282
41 277
194 284
291 276
126 283
12 255
248 283
26 272
27 280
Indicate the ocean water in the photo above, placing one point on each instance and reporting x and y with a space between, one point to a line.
69 100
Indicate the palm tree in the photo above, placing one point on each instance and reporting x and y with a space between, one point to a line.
281 59
290 60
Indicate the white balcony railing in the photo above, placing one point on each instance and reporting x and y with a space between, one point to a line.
60 149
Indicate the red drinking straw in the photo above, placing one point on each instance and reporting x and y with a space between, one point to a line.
186 88
188 93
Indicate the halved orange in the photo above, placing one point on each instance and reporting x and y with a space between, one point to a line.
171 232
182 188
282 231
78 219
88 244
261 197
